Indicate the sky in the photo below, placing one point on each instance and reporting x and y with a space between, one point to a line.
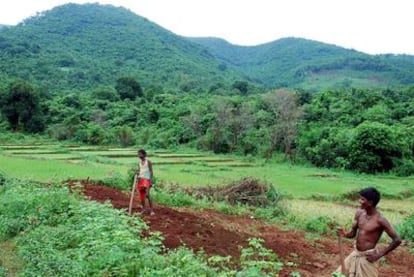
370 26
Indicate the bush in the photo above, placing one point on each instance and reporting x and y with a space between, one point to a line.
374 148
125 136
23 208
406 229
405 169
3 271
320 225
2 178
58 235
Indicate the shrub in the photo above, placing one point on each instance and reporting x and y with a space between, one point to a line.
406 168
23 208
320 225
3 271
406 229
59 234
2 178
256 259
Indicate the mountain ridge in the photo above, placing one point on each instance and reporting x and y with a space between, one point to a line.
83 46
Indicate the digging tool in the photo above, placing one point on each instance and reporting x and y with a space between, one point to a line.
341 256
131 201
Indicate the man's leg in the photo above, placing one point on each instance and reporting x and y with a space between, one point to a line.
142 196
150 202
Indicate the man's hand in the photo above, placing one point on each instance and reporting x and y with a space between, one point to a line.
373 256
341 232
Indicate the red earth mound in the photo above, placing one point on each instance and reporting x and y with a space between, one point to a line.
221 234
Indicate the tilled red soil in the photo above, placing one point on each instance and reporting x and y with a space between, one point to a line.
221 234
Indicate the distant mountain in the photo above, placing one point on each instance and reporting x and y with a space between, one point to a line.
82 46
305 63
77 47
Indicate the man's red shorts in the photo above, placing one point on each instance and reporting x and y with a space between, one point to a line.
143 187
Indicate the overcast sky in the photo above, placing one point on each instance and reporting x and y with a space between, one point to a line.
370 26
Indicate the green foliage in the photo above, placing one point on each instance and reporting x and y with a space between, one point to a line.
3 271
128 88
116 181
92 133
406 229
338 274
405 168
257 260
296 62
78 47
59 234
18 213
373 148
322 225
2 178
21 105
125 136
89 93
337 132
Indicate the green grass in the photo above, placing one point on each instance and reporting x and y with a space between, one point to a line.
395 211
192 169
308 191
9 258
297 181
55 170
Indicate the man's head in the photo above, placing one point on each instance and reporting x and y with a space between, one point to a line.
142 153
371 194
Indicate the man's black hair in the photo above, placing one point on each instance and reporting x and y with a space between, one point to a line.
371 194
142 151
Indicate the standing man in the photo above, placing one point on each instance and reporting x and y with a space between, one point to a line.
368 227
144 183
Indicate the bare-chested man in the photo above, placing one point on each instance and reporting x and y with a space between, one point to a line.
368 227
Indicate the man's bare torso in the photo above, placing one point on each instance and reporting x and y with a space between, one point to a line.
370 229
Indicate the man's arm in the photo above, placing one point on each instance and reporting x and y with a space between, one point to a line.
396 240
353 232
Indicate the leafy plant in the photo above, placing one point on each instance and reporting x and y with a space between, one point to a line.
320 225
3 271
257 259
406 229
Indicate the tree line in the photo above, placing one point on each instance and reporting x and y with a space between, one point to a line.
358 129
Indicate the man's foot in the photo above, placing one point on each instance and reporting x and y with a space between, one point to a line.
152 213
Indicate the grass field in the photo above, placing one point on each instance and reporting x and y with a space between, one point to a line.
46 163
307 190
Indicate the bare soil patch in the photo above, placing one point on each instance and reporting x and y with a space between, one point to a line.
221 234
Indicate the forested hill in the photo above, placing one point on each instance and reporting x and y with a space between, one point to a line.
82 46
297 62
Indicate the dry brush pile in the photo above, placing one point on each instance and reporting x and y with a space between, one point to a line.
246 191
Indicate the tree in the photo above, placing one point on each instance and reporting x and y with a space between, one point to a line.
20 104
128 88
105 93
125 136
241 86
286 112
374 148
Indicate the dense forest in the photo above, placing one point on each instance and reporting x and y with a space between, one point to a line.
100 75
